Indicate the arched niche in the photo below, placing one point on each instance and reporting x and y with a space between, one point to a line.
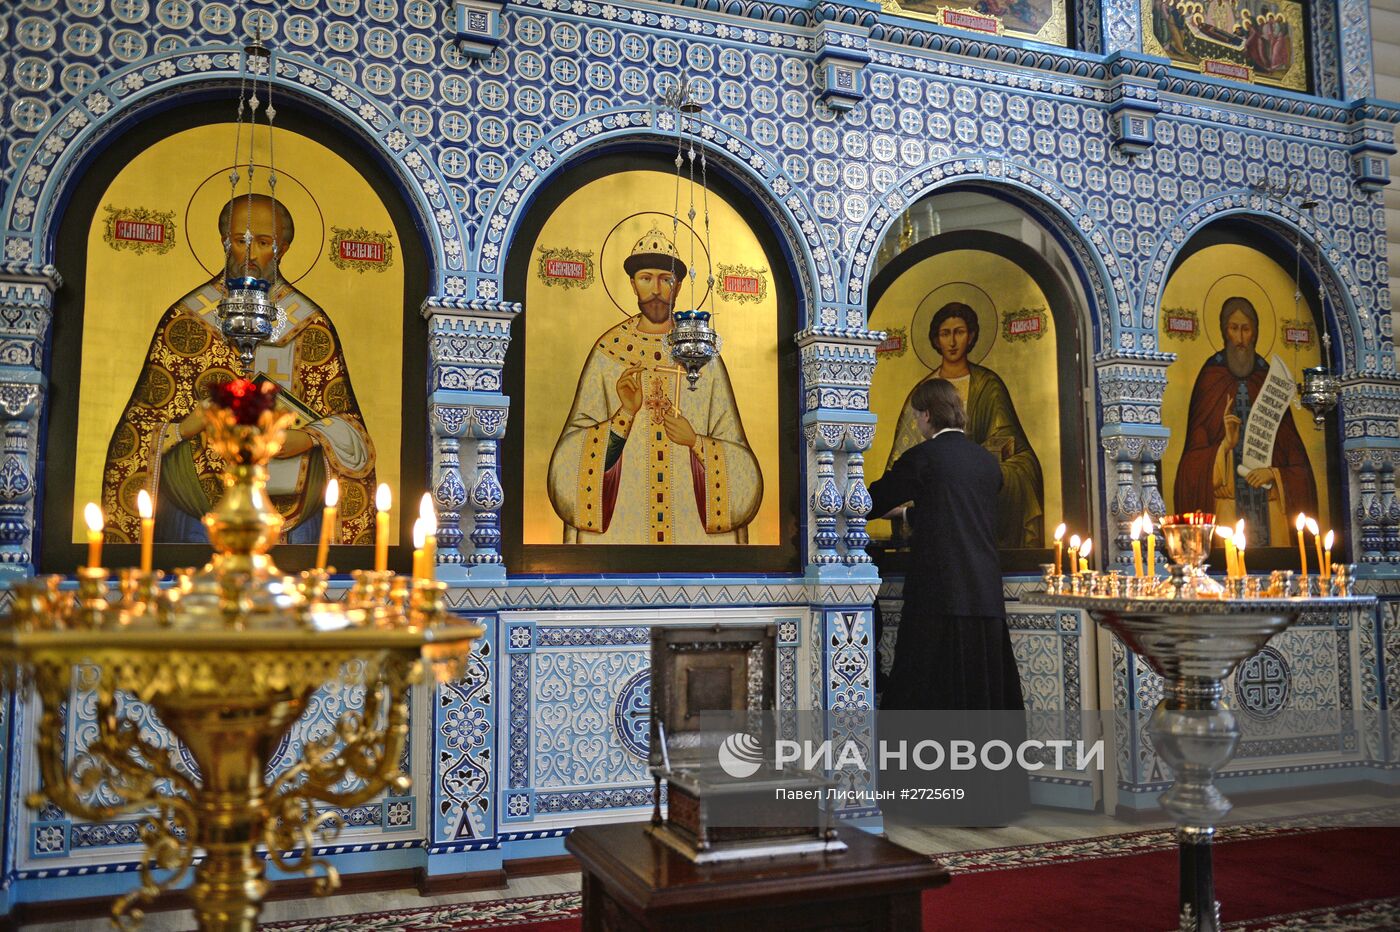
1026 382
393 431
564 264
1229 259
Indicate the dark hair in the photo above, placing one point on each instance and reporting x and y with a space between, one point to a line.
1242 305
940 399
955 309
286 229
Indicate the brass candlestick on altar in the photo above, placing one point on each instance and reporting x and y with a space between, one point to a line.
228 657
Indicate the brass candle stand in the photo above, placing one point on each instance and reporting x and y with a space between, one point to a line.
228 656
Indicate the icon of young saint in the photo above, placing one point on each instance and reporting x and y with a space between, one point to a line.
642 459
158 443
991 422
1217 419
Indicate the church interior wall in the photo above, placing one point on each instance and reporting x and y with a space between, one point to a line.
831 119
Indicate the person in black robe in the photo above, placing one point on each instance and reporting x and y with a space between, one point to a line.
953 650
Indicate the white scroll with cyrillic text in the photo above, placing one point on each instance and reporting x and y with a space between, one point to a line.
1265 415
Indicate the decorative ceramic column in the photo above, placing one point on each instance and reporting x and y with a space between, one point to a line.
26 309
1133 440
825 500
1125 505
837 363
1389 515
857 496
468 416
449 493
487 495
1370 423
1367 513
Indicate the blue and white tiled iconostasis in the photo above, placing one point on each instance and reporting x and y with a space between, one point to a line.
836 117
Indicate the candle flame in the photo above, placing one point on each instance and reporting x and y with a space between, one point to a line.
1225 532
1301 523
1146 523
1327 541
1239 529
332 493
144 505
1060 532
1239 543
1074 542
427 513
1312 526
1137 528
383 498
1087 546
419 534
93 516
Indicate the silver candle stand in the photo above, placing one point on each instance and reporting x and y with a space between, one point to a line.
1195 644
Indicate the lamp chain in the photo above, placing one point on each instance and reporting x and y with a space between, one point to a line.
690 216
709 253
676 207
233 175
272 167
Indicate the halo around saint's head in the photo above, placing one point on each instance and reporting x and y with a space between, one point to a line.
945 294
1235 285
209 198
644 240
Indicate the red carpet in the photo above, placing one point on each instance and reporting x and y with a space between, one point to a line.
1292 879
1254 879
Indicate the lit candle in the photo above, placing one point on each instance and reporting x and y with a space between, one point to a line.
383 501
1137 547
95 522
1301 524
329 517
1239 557
1059 552
1229 537
1084 551
1151 544
1327 554
1073 554
418 549
1317 543
146 507
428 515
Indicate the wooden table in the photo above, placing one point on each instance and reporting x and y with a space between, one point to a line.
632 882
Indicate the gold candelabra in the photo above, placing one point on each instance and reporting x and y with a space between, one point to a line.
228 656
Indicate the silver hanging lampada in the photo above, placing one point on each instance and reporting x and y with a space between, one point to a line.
692 340
246 312
1319 389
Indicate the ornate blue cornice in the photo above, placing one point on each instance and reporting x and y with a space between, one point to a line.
1373 108
927 37
791 14
1248 95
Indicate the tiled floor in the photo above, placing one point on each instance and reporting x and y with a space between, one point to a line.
1041 828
